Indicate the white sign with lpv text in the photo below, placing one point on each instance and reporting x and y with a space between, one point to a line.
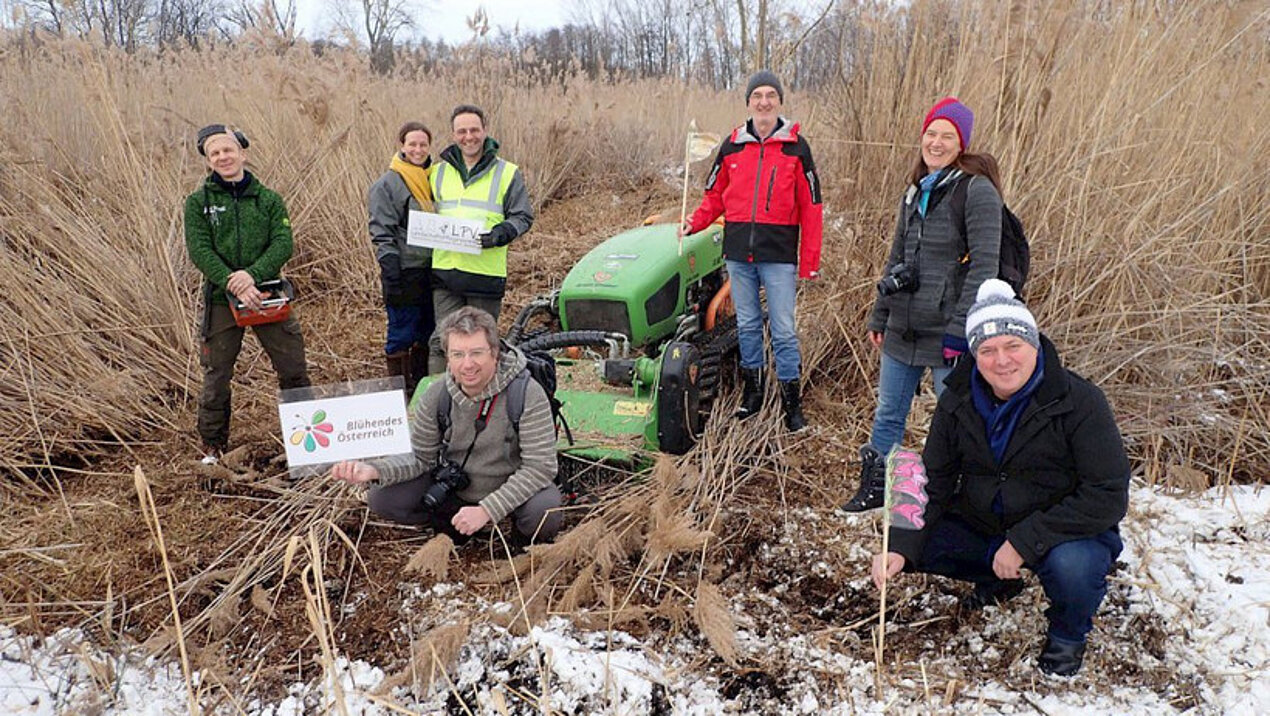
450 233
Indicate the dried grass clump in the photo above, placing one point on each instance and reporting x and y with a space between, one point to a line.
433 558
433 657
714 619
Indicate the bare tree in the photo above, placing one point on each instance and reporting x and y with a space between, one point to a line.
46 14
187 21
274 17
384 19
119 22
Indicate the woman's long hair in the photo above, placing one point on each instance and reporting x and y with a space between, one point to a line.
984 165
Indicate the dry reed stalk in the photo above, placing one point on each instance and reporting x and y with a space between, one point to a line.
433 558
674 533
436 652
504 571
580 592
711 614
282 532
318 611
671 608
260 600
151 514
630 619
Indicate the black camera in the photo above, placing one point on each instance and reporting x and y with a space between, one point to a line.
446 477
901 278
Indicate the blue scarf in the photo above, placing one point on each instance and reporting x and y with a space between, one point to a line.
1000 419
928 183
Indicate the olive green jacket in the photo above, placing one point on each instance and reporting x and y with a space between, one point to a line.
230 230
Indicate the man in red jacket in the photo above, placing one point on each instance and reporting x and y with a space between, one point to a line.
764 184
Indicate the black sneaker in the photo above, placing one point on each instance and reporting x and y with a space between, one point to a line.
992 593
1060 657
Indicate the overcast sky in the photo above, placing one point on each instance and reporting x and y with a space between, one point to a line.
447 18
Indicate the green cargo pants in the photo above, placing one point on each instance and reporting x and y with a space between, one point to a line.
222 341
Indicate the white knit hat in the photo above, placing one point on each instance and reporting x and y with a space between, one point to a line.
997 313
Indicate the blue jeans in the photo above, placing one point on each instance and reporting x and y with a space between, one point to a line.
780 283
408 326
897 386
1073 574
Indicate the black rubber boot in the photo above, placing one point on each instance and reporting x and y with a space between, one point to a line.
792 405
752 397
872 490
1061 658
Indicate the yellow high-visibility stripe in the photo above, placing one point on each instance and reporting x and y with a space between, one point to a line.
481 200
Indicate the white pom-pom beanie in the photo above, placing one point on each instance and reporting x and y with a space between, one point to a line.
997 312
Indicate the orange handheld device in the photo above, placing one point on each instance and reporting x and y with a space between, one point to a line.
275 306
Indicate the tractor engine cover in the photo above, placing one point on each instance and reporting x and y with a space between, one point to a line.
637 284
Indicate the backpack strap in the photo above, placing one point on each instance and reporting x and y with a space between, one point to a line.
444 404
957 203
516 403
516 398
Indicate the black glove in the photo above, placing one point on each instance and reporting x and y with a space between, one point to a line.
390 279
501 235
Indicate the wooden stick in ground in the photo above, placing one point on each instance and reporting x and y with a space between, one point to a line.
683 202
151 515
880 642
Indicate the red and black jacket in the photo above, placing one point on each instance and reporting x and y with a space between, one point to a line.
767 192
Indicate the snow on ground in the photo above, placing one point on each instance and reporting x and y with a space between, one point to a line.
1200 567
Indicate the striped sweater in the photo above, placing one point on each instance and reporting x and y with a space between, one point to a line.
506 468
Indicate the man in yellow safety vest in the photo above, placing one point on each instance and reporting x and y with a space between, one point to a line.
472 182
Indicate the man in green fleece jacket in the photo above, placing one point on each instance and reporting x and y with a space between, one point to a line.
512 468
238 235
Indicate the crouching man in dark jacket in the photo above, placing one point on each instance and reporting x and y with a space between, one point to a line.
1026 468
474 463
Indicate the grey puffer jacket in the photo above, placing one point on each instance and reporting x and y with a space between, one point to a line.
506 467
915 323
390 203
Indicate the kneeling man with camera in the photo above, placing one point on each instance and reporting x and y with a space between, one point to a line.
1026 468
472 463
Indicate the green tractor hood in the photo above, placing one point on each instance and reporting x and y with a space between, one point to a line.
637 284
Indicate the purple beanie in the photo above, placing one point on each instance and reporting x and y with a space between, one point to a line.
951 109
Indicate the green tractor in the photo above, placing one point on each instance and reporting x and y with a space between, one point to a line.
645 338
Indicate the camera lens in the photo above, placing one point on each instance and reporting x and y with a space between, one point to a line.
435 495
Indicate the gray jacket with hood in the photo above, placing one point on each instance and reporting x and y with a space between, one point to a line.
915 323
506 467
390 203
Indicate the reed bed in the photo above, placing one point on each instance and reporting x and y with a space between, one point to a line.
1130 134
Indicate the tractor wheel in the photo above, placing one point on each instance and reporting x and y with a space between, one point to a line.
720 356
678 399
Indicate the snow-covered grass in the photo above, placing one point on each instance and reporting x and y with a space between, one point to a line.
1198 568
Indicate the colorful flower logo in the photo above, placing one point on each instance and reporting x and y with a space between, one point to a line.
312 434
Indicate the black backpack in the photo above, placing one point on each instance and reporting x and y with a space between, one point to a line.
541 367
1016 256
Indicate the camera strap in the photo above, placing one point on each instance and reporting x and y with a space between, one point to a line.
482 419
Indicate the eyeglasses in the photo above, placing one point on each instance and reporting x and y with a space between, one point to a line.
474 354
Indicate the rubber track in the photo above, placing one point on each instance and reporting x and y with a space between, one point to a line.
718 348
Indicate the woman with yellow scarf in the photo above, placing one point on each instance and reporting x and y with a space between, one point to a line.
404 270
